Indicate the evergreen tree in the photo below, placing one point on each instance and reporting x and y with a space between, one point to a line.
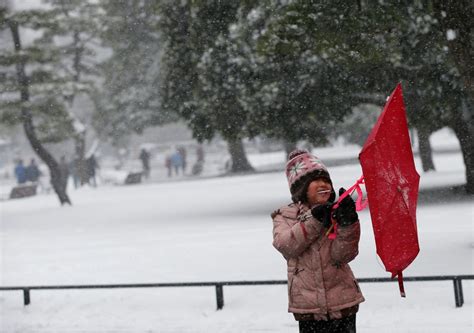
433 83
28 94
228 73
306 87
456 21
363 56
76 33
129 101
49 72
194 66
179 59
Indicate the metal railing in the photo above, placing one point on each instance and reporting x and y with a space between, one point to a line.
457 284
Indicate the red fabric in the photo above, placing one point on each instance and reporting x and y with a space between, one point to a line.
391 182
332 235
361 204
400 284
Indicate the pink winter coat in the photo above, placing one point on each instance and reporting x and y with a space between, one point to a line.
320 281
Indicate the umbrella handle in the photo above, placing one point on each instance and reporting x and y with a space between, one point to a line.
360 202
399 276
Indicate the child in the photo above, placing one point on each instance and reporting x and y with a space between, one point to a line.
323 294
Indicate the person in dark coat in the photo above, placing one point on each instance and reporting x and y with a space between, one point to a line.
32 171
168 165
145 158
20 172
92 166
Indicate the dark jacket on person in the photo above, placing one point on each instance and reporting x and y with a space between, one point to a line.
20 174
33 173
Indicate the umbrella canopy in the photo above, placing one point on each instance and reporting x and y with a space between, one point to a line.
391 182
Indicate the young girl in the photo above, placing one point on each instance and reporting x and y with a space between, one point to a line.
323 294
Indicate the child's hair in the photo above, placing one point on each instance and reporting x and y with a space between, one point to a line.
302 184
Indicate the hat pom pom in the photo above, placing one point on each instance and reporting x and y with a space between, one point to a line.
297 152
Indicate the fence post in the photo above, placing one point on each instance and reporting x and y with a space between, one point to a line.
26 296
219 296
458 294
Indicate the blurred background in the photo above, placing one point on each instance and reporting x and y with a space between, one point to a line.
190 88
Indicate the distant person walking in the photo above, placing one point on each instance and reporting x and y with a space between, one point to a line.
145 158
92 166
20 172
33 172
33 175
182 152
168 165
177 162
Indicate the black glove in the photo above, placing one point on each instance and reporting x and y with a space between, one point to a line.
323 214
346 213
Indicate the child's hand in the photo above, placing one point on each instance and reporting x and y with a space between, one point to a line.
323 214
346 213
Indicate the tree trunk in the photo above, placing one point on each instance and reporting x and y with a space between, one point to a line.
464 131
239 160
424 147
80 164
27 120
79 137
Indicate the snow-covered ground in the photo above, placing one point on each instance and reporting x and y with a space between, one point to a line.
210 230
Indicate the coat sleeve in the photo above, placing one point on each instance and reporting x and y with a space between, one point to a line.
346 245
291 239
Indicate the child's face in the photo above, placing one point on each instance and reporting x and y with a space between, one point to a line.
319 191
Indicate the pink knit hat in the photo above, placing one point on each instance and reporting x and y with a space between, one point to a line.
302 168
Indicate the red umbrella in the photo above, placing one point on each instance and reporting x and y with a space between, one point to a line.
392 183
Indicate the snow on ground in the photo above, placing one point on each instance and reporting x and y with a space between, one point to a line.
211 230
